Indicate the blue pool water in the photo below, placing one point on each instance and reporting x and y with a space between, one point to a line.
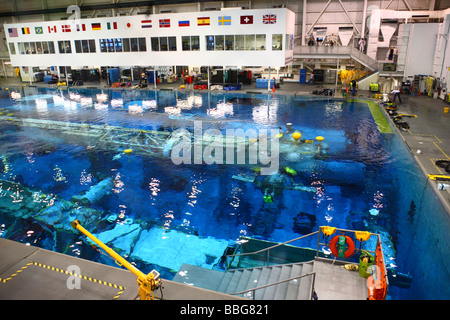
160 215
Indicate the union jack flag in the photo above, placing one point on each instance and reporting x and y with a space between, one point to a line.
164 23
269 19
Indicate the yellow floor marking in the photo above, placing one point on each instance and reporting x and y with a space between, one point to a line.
121 288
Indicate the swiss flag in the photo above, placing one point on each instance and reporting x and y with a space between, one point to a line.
246 19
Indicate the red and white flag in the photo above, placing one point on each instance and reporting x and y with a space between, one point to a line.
51 29
66 28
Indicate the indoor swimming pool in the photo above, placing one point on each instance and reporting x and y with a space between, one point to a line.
144 172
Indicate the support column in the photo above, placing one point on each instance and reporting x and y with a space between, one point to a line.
268 82
304 23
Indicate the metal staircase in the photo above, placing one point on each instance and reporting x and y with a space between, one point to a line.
278 282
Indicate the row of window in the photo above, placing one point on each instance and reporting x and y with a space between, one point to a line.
189 43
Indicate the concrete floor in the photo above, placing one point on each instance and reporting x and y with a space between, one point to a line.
30 273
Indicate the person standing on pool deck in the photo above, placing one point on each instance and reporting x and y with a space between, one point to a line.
396 93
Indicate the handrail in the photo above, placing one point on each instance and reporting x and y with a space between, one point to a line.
272 247
278 282
318 245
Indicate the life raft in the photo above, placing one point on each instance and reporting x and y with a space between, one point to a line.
343 241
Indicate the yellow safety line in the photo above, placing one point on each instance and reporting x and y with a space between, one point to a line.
121 288
441 150
433 161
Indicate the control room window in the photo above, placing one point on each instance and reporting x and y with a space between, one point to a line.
45 47
186 43
32 47
195 43
103 45
210 43
126 45
142 44
12 49
155 43
163 44
229 42
250 42
110 45
51 47
172 43
190 43
277 42
64 47
91 45
134 44
118 45
219 43
260 42
239 42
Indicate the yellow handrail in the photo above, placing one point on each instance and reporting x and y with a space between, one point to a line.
146 283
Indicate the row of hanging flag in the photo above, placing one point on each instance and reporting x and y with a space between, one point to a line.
163 23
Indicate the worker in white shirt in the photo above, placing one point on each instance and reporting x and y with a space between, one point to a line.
396 93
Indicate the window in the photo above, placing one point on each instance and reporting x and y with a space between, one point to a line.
229 42
172 43
126 45
195 43
103 46
12 49
32 47
142 44
277 42
219 43
190 43
118 45
51 47
186 43
45 47
155 44
163 44
110 45
239 42
260 42
91 45
250 42
134 44
64 47
209 43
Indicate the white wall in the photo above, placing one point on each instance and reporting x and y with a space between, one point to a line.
285 23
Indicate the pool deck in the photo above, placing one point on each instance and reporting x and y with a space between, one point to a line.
28 272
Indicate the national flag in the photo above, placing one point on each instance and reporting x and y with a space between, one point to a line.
26 30
81 27
225 21
66 28
38 30
12 32
51 29
203 21
164 23
128 25
183 23
96 26
269 19
246 19
146 23
110 26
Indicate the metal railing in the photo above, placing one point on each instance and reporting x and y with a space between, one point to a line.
319 233
313 274
338 52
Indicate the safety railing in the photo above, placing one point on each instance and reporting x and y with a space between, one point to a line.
253 290
379 274
338 52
